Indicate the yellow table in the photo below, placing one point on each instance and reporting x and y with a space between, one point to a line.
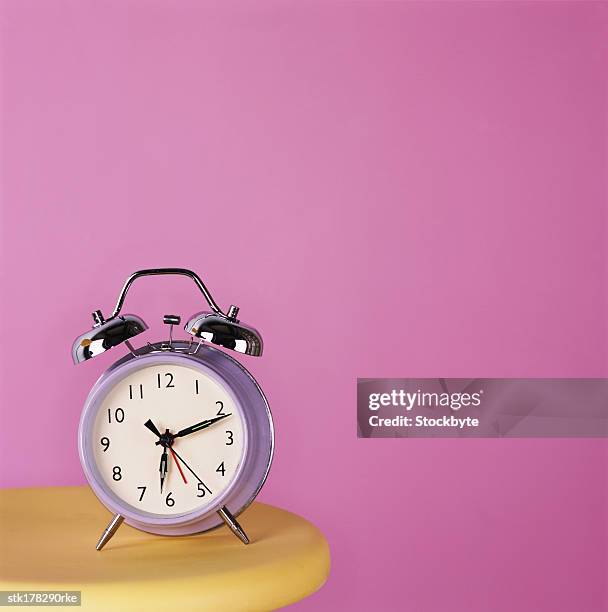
48 537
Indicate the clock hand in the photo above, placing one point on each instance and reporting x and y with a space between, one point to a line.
199 426
174 452
179 467
150 425
163 458
163 467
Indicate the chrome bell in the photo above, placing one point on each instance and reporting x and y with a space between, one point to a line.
216 327
105 335
226 331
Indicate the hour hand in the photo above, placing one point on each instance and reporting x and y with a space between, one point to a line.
163 467
150 425
199 426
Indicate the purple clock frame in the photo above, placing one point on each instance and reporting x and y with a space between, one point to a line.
257 452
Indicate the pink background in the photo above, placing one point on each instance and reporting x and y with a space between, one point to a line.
386 189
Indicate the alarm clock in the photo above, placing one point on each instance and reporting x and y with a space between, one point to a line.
176 437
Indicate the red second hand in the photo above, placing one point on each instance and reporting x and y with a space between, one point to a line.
178 465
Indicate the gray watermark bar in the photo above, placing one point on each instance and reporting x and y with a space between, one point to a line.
482 407
40 598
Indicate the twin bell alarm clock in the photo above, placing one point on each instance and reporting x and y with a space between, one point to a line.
176 437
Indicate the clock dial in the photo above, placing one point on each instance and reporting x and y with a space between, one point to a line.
198 467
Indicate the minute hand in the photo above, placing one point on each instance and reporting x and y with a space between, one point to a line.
199 426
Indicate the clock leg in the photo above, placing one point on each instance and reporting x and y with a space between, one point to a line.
109 531
233 524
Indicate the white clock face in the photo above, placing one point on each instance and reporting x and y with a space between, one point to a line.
197 467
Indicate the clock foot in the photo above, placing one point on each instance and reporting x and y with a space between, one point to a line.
109 531
233 524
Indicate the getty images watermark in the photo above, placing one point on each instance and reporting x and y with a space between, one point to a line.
40 598
482 407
